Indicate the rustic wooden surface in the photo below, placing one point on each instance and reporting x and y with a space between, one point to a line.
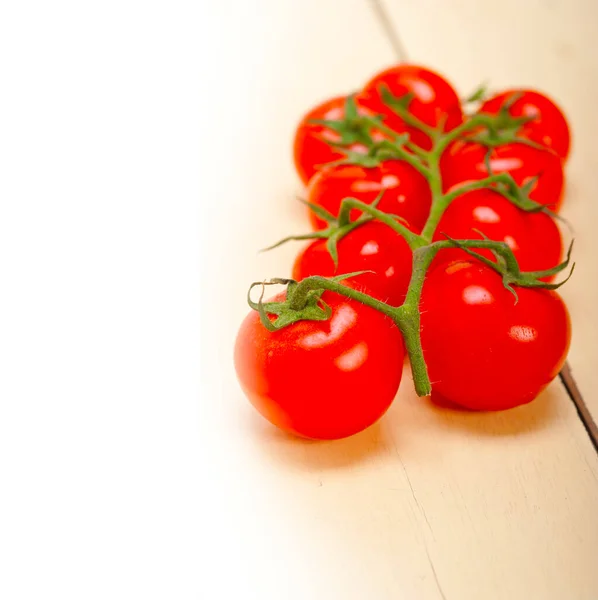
429 503
545 44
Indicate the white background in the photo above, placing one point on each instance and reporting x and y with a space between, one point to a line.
101 461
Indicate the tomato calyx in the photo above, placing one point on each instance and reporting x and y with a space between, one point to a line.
507 267
400 106
299 304
339 227
498 129
486 129
506 186
355 128
479 94
504 129
350 129
489 130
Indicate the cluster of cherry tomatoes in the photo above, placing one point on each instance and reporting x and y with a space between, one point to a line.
335 366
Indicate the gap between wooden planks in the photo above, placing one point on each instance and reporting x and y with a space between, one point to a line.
536 36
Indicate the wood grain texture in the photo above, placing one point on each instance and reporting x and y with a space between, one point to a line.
550 45
430 503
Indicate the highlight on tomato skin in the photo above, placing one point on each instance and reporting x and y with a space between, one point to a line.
534 237
465 161
322 380
484 351
311 150
372 247
406 192
549 126
434 99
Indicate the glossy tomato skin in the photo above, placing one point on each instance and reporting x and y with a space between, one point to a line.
322 379
483 350
434 99
466 161
406 191
534 237
549 127
310 148
370 247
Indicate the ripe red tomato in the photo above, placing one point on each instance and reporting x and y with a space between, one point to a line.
310 147
434 99
483 350
466 161
322 379
372 246
406 191
549 126
534 237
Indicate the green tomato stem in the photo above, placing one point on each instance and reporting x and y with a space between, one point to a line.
302 295
440 201
348 204
444 141
408 318
395 151
407 117
500 248
310 284
478 185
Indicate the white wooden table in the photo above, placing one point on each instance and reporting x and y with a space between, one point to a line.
430 503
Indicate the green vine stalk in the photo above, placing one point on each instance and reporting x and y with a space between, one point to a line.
304 299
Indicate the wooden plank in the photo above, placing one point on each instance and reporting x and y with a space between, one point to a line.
434 503
545 44
429 504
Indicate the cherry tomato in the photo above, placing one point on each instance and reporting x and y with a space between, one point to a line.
483 350
466 161
372 246
406 191
534 237
322 379
310 147
549 126
434 99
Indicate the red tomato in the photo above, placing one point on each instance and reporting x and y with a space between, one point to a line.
310 147
483 350
549 126
406 191
322 379
434 99
466 161
373 246
534 237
